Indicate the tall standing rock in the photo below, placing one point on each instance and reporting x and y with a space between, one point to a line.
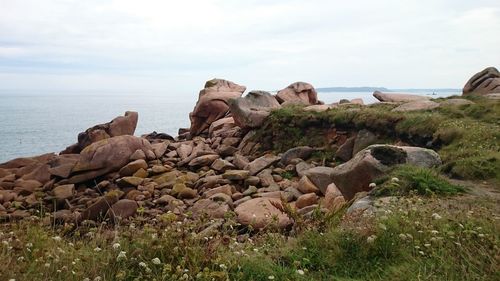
483 83
212 104
298 92
121 125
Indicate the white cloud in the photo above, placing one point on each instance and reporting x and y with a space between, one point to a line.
160 45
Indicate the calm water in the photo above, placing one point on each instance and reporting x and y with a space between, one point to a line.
34 123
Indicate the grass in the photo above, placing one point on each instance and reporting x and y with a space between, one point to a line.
406 179
467 137
411 238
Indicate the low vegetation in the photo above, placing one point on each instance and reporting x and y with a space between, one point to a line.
467 136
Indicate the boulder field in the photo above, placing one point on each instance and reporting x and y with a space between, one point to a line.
214 168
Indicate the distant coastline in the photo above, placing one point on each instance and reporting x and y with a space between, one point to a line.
383 89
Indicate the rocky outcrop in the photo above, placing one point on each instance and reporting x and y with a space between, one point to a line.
356 175
106 156
483 83
262 213
398 97
213 104
251 110
298 92
121 125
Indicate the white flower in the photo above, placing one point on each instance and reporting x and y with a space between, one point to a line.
222 266
57 238
270 277
121 255
97 249
402 236
12 279
427 245
372 185
156 261
300 272
116 246
47 265
371 239
436 216
395 179
86 279
98 278
143 264
29 245
434 231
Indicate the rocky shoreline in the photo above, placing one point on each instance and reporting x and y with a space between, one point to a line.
219 166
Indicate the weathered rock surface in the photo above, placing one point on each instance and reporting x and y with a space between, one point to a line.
121 125
416 105
212 104
261 163
298 92
302 152
484 82
106 156
321 177
251 110
262 213
398 97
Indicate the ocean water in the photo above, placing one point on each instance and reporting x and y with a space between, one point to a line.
35 123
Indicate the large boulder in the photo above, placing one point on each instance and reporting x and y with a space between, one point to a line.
212 104
483 83
356 175
121 125
261 213
298 92
106 156
251 110
398 97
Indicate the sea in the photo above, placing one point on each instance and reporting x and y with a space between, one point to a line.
34 123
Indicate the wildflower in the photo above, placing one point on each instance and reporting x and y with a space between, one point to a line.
371 239
12 279
427 245
156 261
143 264
395 179
98 278
300 272
421 252
57 238
372 185
97 249
116 246
480 235
5 242
402 236
436 216
382 226
47 265
29 245
434 232
86 279
222 266
121 255
270 277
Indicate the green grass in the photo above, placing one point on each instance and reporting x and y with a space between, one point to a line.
406 179
467 137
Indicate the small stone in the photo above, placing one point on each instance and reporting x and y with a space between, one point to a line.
63 192
236 174
306 200
132 167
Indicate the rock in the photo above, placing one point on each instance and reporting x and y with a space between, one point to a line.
321 177
250 190
236 174
319 107
494 96
137 155
344 152
363 205
251 110
132 167
306 186
63 192
266 178
364 138
222 197
159 169
155 137
416 105
26 187
38 172
62 165
302 152
253 180
212 104
159 149
205 160
187 193
210 208
106 156
130 181
240 161
99 209
298 92
221 124
7 196
177 188
306 200
122 125
184 150
398 97
301 167
482 83
455 102
260 213
165 178
122 209
261 163
226 189
334 200
222 165
355 175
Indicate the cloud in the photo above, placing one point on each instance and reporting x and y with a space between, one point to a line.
176 45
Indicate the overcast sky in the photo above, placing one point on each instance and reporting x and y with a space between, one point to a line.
174 46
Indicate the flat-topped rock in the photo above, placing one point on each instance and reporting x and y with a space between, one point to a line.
398 97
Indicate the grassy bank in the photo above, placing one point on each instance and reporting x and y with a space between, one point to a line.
467 137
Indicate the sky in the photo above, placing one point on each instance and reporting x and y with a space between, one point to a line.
173 47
